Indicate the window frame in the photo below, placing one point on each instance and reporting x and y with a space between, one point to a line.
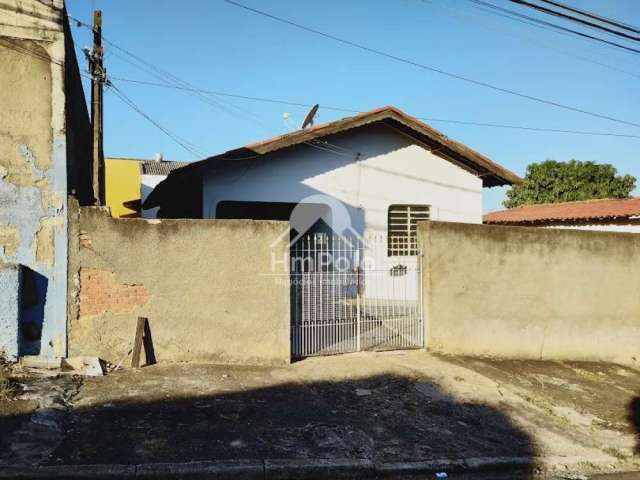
409 246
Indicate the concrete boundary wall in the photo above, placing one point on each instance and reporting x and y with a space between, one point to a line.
531 293
205 285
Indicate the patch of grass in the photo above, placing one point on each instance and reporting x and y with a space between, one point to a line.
8 387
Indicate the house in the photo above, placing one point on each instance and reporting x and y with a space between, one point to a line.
353 192
128 182
387 168
610 214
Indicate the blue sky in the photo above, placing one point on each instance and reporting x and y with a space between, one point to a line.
215 46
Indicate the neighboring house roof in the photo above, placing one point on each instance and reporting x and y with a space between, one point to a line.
151 167
605 209
491 173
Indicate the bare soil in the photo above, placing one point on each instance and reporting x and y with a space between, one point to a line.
387 407
391 407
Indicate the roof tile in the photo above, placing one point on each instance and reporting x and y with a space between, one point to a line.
608 208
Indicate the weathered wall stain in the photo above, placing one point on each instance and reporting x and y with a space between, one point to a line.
44 239
25 127
9 240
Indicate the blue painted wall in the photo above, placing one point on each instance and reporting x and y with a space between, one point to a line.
9 309
45 156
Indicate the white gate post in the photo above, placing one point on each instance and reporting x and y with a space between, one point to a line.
358 299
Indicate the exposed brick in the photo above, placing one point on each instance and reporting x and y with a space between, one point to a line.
101 293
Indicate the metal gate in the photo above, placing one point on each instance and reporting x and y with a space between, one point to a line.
349 295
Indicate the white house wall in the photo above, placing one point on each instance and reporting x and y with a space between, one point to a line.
147 184
390 169
604 227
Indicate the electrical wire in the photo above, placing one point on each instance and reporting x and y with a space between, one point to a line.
352 110
188 146
311 143
430 68
595 16
571 18
191 88
554 26
22 49
167 76
457 13
193 92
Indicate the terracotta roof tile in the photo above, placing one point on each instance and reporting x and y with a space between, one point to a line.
609 208
492 174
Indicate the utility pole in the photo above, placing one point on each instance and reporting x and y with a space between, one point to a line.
98 77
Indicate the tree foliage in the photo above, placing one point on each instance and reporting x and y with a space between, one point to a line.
552 182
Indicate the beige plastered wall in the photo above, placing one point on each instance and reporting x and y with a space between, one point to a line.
213 290
531 293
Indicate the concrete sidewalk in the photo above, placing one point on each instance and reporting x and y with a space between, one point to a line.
376 408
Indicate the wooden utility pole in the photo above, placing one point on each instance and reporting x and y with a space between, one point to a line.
98 77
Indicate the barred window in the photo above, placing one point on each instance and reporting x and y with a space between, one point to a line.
402 227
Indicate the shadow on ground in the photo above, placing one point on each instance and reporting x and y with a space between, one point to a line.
386 418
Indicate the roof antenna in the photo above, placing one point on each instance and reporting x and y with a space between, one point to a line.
308 120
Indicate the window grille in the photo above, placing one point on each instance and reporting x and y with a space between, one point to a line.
402 228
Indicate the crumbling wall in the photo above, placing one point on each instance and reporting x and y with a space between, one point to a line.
33 185
207 287
531 293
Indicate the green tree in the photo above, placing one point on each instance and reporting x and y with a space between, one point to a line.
552 182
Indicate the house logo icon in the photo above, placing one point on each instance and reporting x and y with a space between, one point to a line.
319 215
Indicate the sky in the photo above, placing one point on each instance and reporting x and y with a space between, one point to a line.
215 46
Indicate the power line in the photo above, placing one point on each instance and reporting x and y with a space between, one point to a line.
429 68
555 26
169 77
595 16
185 144
226 94
523 19
351 110
340 109
571 18
178 83
454 12
188 146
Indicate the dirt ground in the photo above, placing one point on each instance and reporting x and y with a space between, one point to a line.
388 407
33 414
14 412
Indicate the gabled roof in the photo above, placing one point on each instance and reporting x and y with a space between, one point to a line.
605 209
492 174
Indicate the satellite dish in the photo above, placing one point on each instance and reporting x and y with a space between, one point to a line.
308 120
